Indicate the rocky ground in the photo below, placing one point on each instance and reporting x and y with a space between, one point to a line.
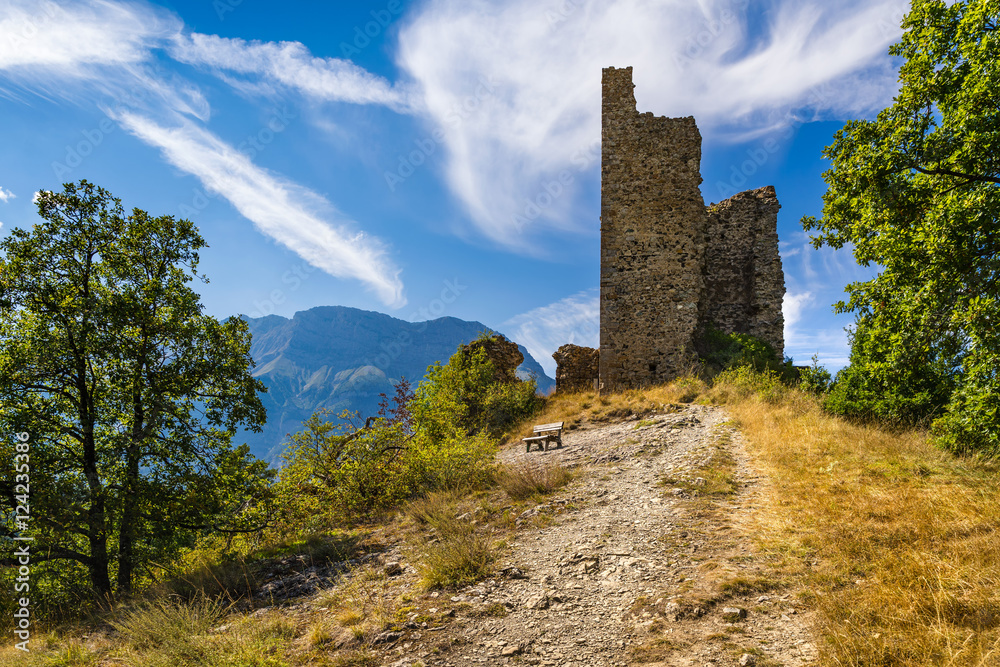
642 559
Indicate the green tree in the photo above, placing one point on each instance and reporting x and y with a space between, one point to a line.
915 191
129 393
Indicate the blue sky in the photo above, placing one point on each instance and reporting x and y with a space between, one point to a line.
405 157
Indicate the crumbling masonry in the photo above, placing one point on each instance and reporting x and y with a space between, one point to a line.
576 368
670 267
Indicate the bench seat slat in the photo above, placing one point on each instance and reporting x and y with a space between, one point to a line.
551 432
556 426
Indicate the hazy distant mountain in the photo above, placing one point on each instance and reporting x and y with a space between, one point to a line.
343 358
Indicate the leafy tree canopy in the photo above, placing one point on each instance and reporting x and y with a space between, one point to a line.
129 393
915 191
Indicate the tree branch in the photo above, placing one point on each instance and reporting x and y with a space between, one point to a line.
949 172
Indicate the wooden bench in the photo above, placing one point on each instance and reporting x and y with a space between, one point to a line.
549 433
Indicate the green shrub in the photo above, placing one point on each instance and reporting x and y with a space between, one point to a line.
896 380
744 381
721 351
466 393
815 379
350 469
454 461
971 422
442 436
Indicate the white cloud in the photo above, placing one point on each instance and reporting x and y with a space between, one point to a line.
792 308
292 65
575 319
284 211
75 40
100 48
543 113
6 195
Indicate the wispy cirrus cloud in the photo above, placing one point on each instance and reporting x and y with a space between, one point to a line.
6 195
290 64
575 319
292 215
46 44
89 51
700 59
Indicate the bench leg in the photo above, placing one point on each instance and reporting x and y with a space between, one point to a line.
527 447
545 445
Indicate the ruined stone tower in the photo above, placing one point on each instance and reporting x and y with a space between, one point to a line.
669 266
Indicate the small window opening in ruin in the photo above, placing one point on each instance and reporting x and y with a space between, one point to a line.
652 368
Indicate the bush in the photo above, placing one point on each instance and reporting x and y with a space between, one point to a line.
721 351
352 469
971 423
465 393
897 382
744 381
443 436
815 379
454 461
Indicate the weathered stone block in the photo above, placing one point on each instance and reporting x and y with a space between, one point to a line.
577 368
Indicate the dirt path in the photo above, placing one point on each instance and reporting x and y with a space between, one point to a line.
619 568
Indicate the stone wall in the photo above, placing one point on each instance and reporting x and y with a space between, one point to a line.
669 266
577 368
744 281
652 239
502 353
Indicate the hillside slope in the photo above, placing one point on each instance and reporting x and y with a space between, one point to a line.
342 359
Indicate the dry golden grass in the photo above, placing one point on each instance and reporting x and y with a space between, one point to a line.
577 409
366 601
523 480
897 542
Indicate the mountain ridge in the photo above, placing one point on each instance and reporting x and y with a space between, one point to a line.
342 358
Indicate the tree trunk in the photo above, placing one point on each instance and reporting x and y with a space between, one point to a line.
127 526
96 521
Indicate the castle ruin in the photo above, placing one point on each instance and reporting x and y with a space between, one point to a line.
670 266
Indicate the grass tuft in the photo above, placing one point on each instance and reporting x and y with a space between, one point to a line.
459 558
524 480
166 623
